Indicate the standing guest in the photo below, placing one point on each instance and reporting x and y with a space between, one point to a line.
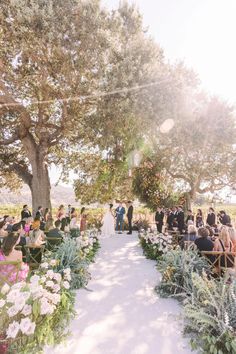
190 217
39 213
83 220
61 215
175 213
224 219
170 218
68 214
159 217
180 219
25 213
130 216
47 214
199 218
9 253
49 224
211 217
120 212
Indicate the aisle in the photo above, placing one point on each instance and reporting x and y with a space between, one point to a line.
122 314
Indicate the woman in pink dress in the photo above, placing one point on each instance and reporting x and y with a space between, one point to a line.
8 253
83 220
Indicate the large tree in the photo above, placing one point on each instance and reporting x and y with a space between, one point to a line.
198 153
52 52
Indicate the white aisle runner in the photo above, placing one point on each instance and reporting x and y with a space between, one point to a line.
122 314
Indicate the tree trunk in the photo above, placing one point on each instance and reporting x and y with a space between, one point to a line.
39 183
188 201
40 188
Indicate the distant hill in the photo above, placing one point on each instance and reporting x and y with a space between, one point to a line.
59 195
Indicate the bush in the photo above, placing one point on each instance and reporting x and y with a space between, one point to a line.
176 268
210 315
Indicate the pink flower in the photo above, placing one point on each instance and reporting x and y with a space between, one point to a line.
27 326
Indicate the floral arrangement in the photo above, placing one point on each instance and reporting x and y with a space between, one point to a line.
154 245
36 313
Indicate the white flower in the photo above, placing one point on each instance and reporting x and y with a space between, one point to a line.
25 295
57 277
45 307
27 326
12 311
12 295
44 265
43 279
67 271
50 274
27 310
66 284
5 289
20 302
34 279
55 298
13 329
2 303
49 284
67 277
18 286
56 288
53 262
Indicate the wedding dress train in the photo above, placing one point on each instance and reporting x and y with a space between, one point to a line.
108 227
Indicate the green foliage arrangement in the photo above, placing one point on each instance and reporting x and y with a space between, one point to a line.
176 267
210 315
154 245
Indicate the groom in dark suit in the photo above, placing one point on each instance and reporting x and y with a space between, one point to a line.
130 216
120 212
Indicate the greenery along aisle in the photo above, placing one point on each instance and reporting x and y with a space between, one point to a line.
209 304
37 312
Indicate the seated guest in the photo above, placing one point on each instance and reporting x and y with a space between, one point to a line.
203 242
27 226
56 232
8 253
232 236
36 236
3 231
21 233
191 235
224 218
224 244
10 222
211 231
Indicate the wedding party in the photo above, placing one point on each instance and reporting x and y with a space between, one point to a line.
117 177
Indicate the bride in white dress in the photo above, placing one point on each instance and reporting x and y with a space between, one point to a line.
108 227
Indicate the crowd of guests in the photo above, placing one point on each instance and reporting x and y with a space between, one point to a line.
215 233
175 218
15 233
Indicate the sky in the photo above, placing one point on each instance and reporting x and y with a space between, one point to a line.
199 32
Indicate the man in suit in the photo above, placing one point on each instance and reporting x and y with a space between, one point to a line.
130 216
25 213
56 232
120 212
159 217
180 219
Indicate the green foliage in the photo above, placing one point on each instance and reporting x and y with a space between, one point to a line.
210 314
176 267
151 186
69 256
